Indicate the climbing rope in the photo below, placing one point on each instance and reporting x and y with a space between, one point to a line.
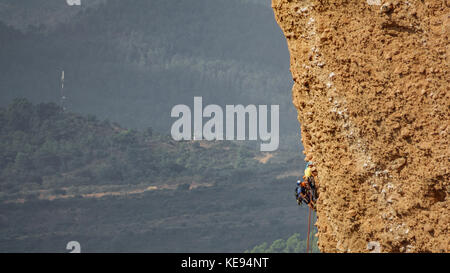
309 224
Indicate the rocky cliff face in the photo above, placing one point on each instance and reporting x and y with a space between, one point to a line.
371 85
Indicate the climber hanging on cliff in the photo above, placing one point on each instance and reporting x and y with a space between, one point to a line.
298 190
310 173
302 193
308 169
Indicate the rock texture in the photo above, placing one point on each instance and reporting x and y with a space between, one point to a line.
371 85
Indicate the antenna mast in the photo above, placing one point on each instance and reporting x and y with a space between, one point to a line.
63 97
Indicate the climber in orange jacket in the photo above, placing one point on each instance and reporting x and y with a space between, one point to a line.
302 193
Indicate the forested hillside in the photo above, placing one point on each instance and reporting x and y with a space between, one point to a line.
65 176
294 244
45 148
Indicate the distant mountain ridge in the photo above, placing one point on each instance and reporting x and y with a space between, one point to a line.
131 61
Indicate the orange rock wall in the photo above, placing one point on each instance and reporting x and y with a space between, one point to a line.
371 85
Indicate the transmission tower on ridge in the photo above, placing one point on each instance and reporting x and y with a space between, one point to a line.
62 102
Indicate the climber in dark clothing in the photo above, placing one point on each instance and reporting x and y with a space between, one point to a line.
301 193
